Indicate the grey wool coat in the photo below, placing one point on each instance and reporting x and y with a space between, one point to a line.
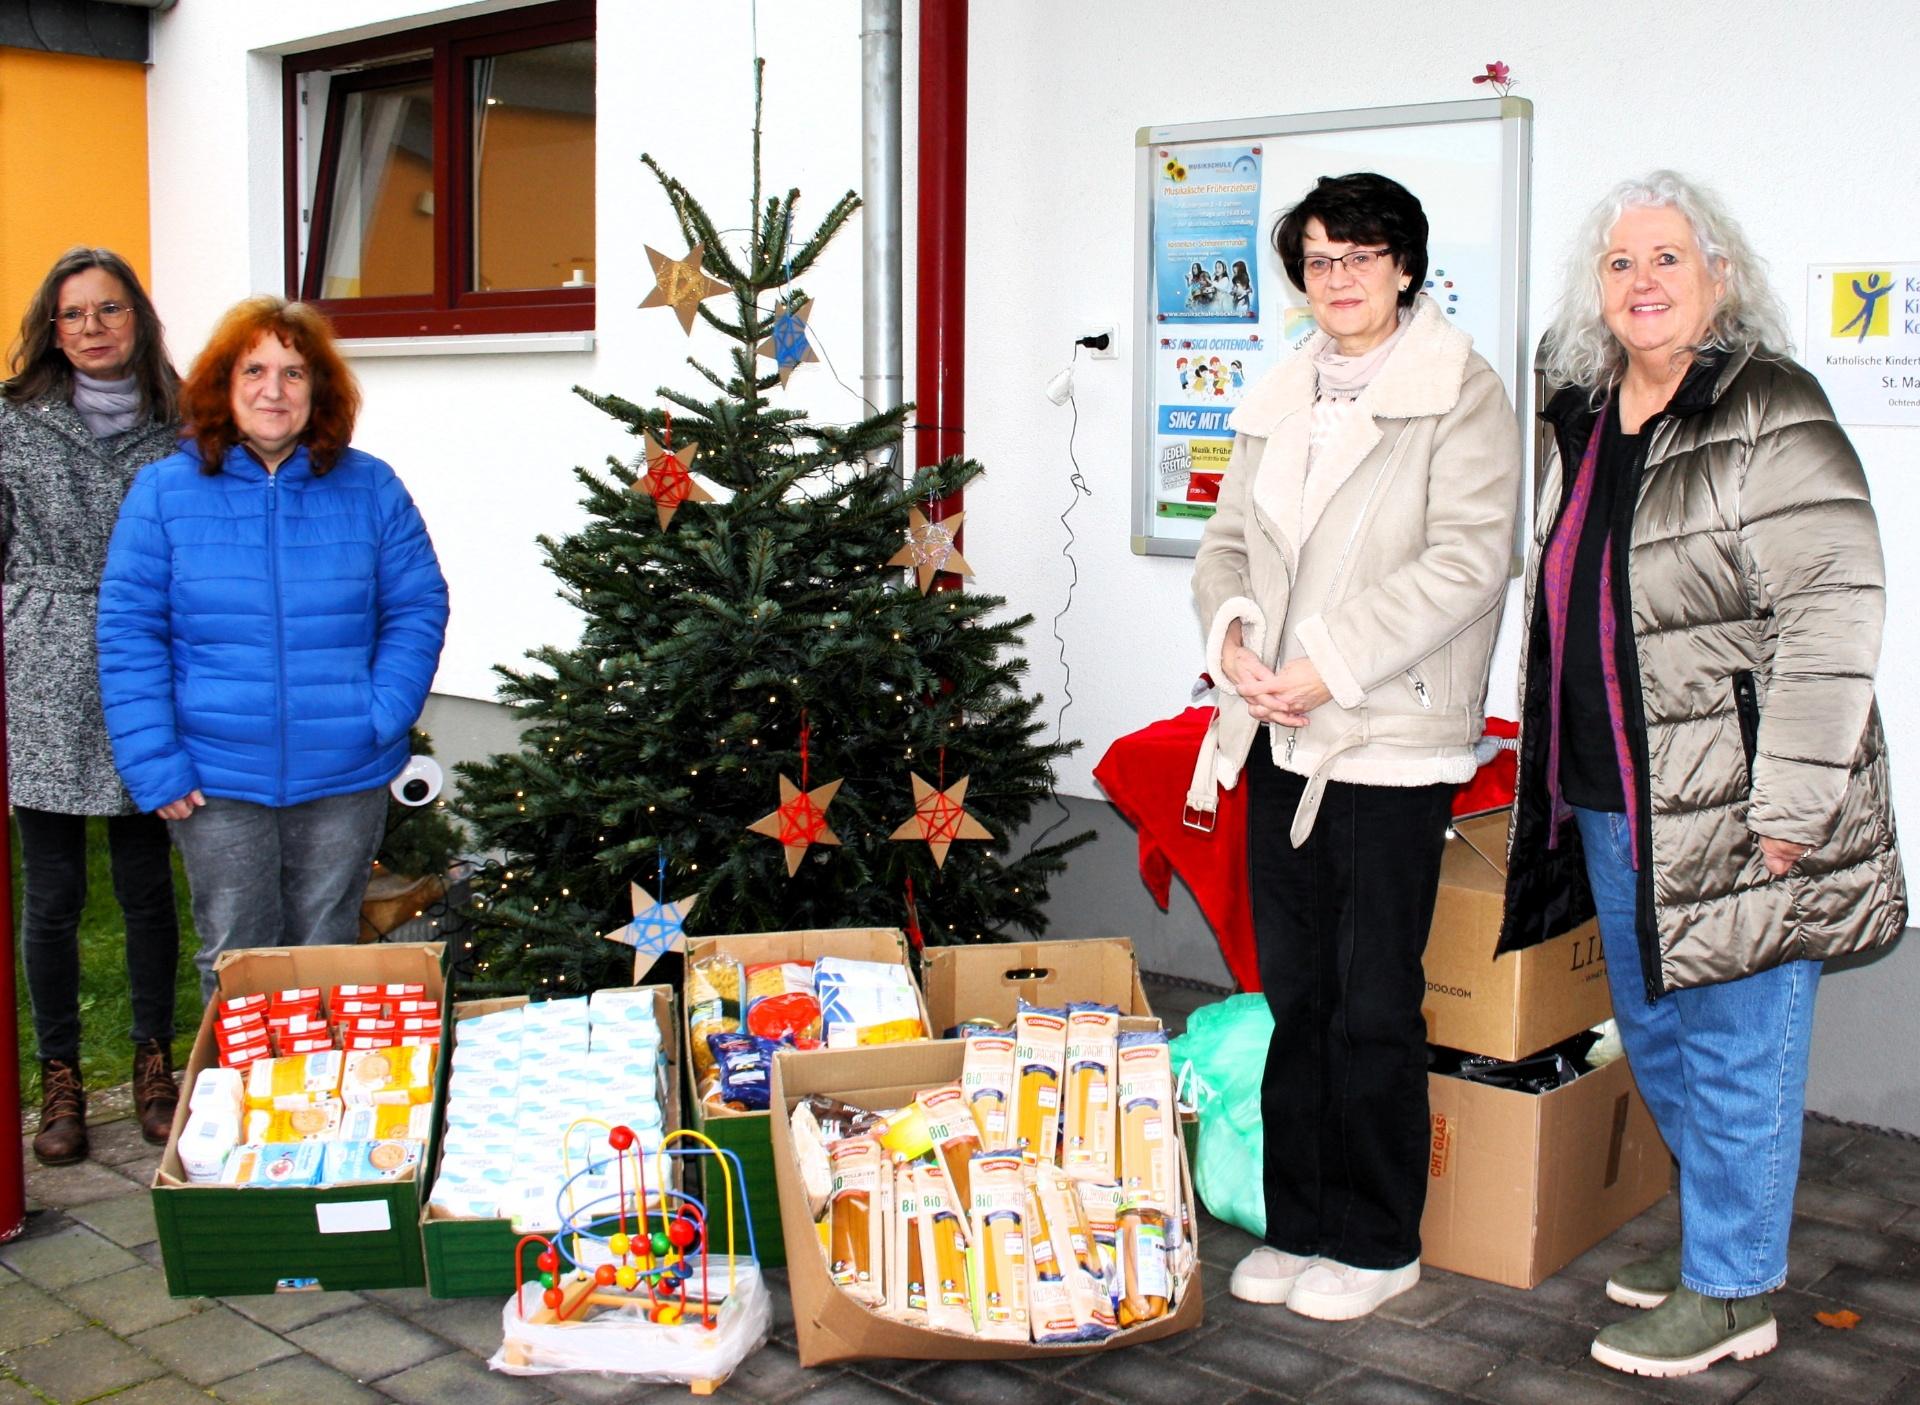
60 492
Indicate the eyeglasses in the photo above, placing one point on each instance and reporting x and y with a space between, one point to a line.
1359 262
113 316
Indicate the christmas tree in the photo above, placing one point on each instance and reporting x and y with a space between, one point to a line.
762 714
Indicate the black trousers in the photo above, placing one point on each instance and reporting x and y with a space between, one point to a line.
53 865
1340 924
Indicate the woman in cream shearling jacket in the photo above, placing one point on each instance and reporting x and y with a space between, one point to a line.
1351 581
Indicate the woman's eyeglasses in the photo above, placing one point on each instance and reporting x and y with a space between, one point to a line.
1358 261
112 315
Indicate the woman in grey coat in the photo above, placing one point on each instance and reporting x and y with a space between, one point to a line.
93 399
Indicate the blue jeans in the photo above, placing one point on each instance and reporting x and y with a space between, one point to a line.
1723 1068
265 875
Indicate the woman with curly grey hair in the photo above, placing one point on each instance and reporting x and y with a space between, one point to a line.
1701 759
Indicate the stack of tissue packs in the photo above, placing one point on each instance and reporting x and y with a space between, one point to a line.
520 1078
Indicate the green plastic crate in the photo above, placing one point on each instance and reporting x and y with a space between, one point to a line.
748 1136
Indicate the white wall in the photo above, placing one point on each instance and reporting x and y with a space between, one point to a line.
486 443
1783 106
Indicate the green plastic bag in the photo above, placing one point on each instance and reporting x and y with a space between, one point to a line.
1219 1061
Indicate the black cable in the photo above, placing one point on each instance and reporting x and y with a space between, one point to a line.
1078 481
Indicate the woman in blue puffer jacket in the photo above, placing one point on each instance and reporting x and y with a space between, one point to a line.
270 621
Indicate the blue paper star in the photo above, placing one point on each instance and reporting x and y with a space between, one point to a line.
787 343
657 928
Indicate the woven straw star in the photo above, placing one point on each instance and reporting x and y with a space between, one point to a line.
682 284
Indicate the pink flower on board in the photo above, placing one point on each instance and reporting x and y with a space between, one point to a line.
1497 74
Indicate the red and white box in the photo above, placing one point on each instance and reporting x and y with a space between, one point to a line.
306 1044
369 1024
240 1004
429 1008
361 1005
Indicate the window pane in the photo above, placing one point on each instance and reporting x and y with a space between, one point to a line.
533 168
380 234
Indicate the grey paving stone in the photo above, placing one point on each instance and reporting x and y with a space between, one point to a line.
1864 1291
1777 1393
1433 1297
1818 1137
589 1389
403 1300
1569 1299
139 1171
1512 1330
68 1255
852 1390
131 1301
67 1186
1599 1262
1523 1382
1816 1247
1259 1359
1224 1244
1820 1359
212 1346
465 1378
118 1142
82 1364
771 1374
981 1383
13 1393
1135 1376
368 1343
167 1390
127 1220
473 1323
1899 1184
283 1312
1817 1200
28 1315
1448 1362
298 1378
1720 1383
1373 1388
1222 1306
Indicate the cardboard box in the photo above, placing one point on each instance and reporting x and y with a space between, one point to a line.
1517 1004
831 1326
467 1258
1521 1184
990 980
217 1241
745 1134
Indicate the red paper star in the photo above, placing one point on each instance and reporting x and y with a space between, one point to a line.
939 817
800 820
667 480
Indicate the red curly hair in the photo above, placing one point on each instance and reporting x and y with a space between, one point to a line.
206 399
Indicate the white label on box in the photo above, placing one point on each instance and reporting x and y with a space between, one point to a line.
353 1217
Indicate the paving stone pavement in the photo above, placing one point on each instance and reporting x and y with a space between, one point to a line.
84 1316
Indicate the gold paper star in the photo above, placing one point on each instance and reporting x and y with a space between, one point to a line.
657 928
940 817
681 284
930 547
788 346
800 820
668 480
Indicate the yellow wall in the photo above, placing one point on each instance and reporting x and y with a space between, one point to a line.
73 167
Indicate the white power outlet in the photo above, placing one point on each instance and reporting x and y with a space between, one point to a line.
1112 334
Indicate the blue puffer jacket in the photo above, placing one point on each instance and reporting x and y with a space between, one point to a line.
266 637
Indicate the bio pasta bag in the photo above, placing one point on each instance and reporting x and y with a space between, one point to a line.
956 1139
1087 1120
906 1272
1149 1163
1100 1204
1072 1236
855 1255
986 1077
1049 1299
943 1252
1145 1285
1000 1245
1039 1055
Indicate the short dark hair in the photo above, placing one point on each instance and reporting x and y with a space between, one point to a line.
40 368
1358 208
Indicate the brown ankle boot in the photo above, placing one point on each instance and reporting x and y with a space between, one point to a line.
155 1095
62 1139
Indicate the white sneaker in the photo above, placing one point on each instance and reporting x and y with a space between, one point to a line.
1335 1292
1267 1275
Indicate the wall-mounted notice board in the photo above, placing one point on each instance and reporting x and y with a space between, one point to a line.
1215 310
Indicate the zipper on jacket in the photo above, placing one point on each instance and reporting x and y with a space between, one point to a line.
279 643
1420 689
1293 735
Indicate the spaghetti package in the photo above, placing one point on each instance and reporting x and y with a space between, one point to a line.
1100 1206
1087 1119
955 1138
1040 1056
943 1252
986 1077
999 1221
1072 1240
1149 1150
906 1260
856 1240
1049 1299
714 984
1146 1285
780 1001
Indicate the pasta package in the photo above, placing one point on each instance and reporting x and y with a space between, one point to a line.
906 1264
1145 1284
781 1003
856 1242
944 1252
955 1138
1072 1236
1149 1150
865 1002
1100 1207
714 985
1040 1055
986 1077
1087 1120
1049 1299
999 1222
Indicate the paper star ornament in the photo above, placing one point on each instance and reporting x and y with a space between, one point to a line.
788 346
800 820
682 284
657 928
930 547
940 817
668 480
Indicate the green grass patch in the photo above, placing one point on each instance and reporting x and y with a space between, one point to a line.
106 1011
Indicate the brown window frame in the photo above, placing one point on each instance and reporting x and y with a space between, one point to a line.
451 309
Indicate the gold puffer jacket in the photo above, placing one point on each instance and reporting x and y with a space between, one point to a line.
1756 592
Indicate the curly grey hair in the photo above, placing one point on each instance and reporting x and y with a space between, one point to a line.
1579 350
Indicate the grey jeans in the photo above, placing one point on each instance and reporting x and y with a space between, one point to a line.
265 875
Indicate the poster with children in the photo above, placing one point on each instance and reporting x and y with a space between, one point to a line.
1206 234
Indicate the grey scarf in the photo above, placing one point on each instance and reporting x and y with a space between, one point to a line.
108 407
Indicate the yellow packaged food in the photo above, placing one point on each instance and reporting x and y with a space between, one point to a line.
1087 1120
296 1124
955 1137
1000 1242
1040 1056
299 1080
1145 1284
943 1252
1073 1243
1049 1299
906 1271
1149 1150
986 1077
855 1255
399 1074
386 1122
713 1005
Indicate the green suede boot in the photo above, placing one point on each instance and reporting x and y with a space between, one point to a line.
1687 1333
1646 1282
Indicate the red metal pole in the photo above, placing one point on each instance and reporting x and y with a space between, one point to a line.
941 286
13 1178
